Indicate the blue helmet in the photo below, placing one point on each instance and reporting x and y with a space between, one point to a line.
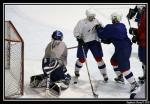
57 35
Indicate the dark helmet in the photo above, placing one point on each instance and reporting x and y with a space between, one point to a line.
57 35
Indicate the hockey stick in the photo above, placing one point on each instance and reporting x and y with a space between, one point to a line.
47 85
72 47
94 94
130 27
129 22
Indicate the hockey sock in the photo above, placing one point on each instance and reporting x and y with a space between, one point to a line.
78 65
129 76
102 68
117 71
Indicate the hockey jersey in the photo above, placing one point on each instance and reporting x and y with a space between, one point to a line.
116 33
84 29
57 49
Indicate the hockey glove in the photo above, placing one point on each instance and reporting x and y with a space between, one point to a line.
133 31
98 26
80 41
134 39
131 13
105 41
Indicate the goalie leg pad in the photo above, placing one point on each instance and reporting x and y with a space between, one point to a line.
54 89
36 80
65 82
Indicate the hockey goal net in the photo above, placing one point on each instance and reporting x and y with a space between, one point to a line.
14 64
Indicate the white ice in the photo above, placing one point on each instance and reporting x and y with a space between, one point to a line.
35 23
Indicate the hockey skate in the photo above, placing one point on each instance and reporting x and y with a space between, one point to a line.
119 79
76 77
132 95
77 73
105 77
141 79
134 87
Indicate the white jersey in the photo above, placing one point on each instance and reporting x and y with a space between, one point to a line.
84 29
57 49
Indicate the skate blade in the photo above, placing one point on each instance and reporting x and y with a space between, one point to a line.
120 82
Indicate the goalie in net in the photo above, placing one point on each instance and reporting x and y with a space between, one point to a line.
54 64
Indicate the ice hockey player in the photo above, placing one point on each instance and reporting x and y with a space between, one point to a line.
87 39
135 12
116 34
139 36
54 65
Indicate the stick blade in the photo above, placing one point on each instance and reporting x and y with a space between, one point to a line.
95 95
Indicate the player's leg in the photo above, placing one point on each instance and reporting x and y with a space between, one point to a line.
80 60
142 58
54 72
58 76
97 52
124 66
114 64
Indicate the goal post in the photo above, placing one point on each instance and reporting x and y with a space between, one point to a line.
14 61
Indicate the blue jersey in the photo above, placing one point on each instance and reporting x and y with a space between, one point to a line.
116 33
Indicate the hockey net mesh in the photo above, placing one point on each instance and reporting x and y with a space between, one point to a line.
13 61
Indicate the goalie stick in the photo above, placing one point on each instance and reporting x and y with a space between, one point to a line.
47 92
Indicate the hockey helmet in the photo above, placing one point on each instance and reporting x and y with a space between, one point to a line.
57 35
116 17
90 12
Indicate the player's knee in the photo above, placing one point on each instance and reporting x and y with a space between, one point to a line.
98 58
113 62
82 60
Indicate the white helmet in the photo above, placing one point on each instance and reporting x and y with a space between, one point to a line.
140 6
90 12
116 16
